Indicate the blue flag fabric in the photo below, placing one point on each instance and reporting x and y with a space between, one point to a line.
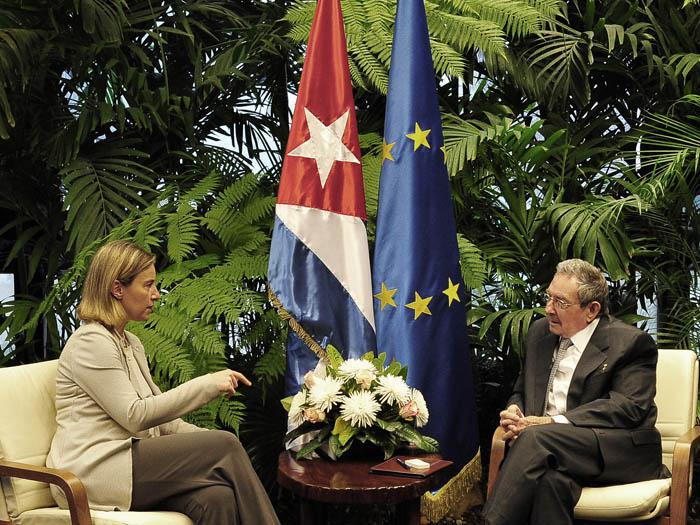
418 290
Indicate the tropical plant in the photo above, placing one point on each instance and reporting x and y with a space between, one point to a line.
458 28
103 105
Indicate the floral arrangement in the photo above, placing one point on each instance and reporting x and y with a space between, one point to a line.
357 400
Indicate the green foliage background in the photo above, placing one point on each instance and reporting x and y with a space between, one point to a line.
571 129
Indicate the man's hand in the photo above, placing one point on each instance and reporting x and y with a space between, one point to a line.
513 422
510 416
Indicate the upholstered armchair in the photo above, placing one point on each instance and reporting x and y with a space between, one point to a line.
658 502
27 426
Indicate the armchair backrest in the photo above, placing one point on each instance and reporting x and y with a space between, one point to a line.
676 397
27 426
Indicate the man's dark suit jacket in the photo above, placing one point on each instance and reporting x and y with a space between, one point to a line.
612 391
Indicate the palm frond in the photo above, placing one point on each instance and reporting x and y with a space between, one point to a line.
463 137
562 60
101 190
471 260
590 228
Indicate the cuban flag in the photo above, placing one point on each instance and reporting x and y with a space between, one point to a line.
319 271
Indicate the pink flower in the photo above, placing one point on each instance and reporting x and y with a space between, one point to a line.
314 415
409 410
309 379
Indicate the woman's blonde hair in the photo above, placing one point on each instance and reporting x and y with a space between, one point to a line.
115 261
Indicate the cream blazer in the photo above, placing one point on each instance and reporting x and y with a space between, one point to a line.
102 405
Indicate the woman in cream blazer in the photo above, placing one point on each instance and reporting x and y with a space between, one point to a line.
120 434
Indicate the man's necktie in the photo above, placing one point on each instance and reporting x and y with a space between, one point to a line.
564 344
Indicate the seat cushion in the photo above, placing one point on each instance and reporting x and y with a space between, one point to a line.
624 502
56 516
27 393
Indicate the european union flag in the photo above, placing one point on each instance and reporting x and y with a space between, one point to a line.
418 290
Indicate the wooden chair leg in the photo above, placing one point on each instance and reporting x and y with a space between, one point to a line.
498 452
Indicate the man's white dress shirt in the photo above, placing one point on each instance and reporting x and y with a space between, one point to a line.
556 397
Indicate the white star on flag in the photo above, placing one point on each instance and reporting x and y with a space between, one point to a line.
325 145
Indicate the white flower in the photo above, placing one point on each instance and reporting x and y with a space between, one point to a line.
350 368
423 414
360 409
296 414
393 389
325 393
364 379
363 372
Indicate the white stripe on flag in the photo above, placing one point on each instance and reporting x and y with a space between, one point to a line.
340 242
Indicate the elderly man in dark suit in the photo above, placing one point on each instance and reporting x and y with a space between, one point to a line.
582 409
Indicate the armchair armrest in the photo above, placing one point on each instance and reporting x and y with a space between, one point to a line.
682 465
498 452
72 487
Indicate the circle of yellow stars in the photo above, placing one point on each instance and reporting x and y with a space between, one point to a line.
419 305
419 138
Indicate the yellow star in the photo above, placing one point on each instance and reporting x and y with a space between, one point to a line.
451 292
386 296
419 137
444 153
420 306
386 150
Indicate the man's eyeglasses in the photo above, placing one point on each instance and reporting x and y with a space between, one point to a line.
559 304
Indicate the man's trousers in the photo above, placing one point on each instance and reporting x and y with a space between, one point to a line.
541 477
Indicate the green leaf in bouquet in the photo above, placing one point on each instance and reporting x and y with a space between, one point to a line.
335 358
387 445
394 368
432 442
311 446
337 448
347 434
428 445
390 426
404 373
287 402
339 427
409 434
369 356
379 361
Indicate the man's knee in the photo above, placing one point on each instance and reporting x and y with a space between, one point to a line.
542 436
527 439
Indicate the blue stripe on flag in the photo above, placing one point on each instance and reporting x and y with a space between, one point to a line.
317 300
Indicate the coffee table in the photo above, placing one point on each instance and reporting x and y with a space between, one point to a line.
319 481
